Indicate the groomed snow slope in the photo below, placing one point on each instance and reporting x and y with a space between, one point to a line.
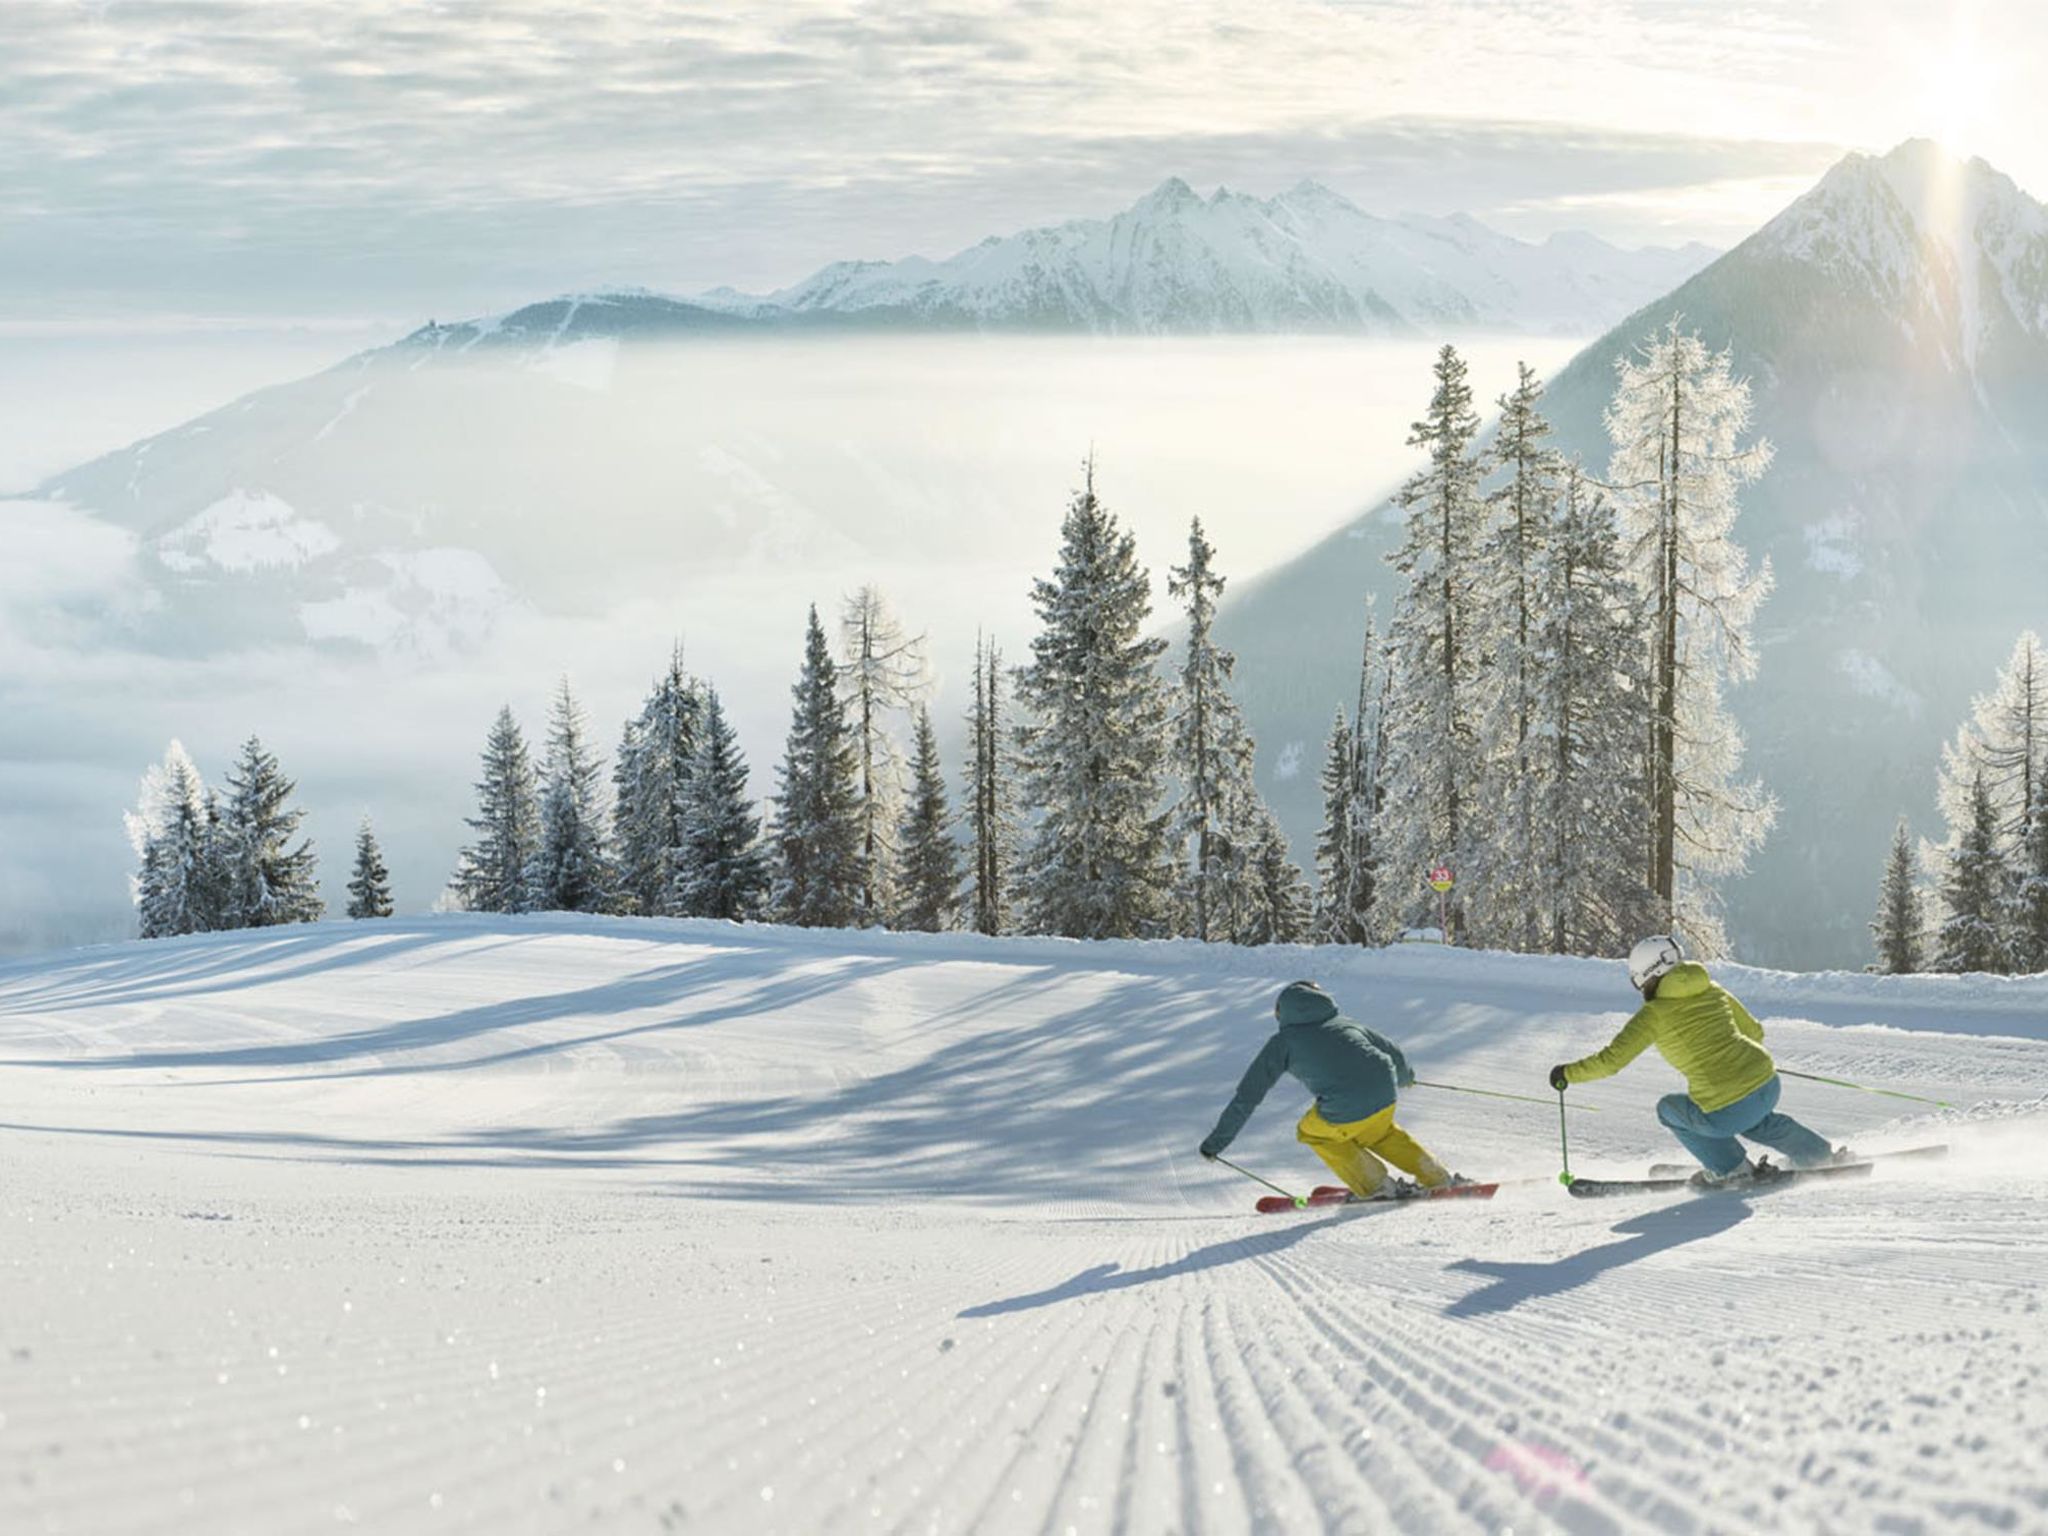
552 1224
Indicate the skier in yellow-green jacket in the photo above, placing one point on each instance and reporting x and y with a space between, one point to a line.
1731 1081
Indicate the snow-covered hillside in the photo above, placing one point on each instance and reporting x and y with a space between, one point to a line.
530 1225
1306 260
1893 323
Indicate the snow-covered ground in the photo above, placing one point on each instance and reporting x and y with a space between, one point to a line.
553 1224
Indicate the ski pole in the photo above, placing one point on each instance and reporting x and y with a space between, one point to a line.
1488 1093
1300 1201
1890 1093
1564 1147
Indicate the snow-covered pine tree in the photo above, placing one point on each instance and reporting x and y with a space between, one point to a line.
928 875
1432 767
819 873
492 873
1976 894
2030 925
992 836
1506 858
269 884
1368 783
1219 824
1276 907
650 783
722 869
571 869
1333 922
1677 422
169 830
1587 707
1094 749
2005 738
1901 918
369 888
882 672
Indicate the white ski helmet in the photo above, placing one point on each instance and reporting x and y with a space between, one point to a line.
1658 955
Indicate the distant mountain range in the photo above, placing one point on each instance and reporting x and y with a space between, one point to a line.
1894 325
1173 263
1305 261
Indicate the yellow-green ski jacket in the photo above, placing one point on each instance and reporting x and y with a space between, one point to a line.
1701 1030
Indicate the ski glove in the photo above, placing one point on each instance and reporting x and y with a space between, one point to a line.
1557 1078
1210 1151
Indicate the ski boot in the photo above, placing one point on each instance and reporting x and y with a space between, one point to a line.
1707 1179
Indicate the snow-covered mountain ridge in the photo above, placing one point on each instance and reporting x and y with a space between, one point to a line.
1306 261
1953 246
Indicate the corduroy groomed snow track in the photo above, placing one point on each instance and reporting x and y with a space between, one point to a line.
564 1224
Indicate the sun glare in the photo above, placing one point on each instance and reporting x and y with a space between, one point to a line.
1956 100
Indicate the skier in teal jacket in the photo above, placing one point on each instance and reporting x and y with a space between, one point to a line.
1355 1074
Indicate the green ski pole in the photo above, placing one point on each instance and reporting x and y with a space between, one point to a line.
1488 1093
1890 1093
1299 1201
1564 1147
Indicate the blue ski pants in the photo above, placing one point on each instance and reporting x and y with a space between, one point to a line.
1710 1136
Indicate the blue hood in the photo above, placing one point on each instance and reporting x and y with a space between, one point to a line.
1303 1002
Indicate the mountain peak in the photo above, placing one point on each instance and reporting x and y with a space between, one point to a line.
1171 195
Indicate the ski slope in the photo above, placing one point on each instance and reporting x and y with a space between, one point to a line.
557 1224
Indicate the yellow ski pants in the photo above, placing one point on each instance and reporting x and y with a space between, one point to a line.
1355 1151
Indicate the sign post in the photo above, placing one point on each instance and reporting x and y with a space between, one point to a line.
1441 882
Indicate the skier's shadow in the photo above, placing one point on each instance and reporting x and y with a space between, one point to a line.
1671 1226
1100 1279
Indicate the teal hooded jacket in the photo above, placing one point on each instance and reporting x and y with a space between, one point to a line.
1354 1072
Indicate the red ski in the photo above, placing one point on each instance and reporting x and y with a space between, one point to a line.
1337 1194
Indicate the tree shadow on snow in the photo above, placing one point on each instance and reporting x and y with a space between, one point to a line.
1658 1231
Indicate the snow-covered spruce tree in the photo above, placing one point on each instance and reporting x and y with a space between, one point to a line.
2006 739
1219 823
818 873
1677 422
1433 767
1333 920
1587 885
492 873
1094 748
882 672
650 784
175 885
721 869
928 874
2030 923
268 883
1368 782
1901 918
1976 894
1506 857
571 869
369 887
992 834
1276 907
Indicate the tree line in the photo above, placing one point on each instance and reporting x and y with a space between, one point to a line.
208 861
1978 900
1543 714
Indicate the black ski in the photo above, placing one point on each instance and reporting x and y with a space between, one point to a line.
1777 1178
1684 1170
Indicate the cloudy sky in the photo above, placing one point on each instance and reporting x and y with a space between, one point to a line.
394 159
